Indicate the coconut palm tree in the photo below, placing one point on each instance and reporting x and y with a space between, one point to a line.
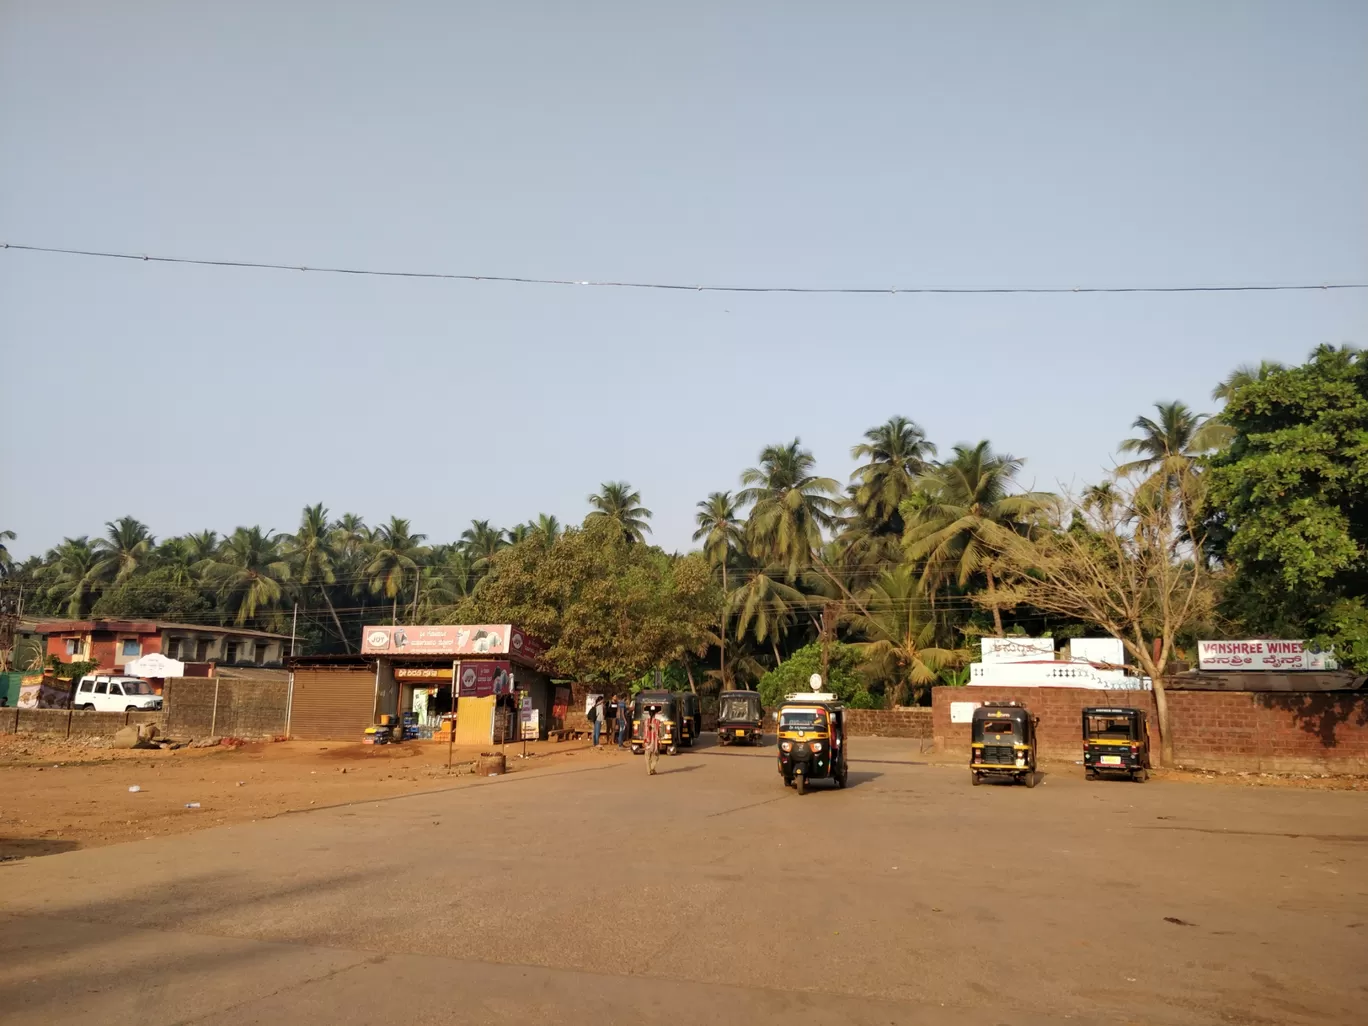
790 506
972 510
180 559
394 554
68 578
617 502
204 544
449 575
248 572
127 544
1245 374
480 541
766 606
1169 445
547 527
900 629
519 533
898 455
310 554
6 560
723 533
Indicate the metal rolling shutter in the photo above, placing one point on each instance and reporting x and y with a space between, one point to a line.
332 705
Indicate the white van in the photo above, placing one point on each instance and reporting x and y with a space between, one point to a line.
104 693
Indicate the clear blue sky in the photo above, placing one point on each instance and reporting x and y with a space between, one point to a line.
860 144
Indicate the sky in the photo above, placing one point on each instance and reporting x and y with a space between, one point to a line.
761 144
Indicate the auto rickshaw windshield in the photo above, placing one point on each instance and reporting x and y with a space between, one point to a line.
999 727
739 707
803 719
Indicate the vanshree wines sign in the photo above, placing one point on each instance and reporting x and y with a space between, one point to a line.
1262 654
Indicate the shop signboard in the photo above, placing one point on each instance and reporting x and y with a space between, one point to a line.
1017 650
485 678
432 673
451 640
155 665
1262 654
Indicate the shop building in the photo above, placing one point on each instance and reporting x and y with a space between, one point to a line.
484 681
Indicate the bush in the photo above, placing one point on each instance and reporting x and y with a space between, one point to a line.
842 679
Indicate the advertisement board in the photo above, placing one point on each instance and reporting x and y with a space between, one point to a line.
1262 654
451 640
484 678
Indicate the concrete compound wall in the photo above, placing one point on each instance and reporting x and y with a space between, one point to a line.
1271 732
244 708
71 722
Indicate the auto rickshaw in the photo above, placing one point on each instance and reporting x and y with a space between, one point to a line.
1003 743
812 741
1115 741
671 727
691 710
740 718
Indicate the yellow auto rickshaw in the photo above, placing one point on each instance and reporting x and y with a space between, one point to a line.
672 728
812 741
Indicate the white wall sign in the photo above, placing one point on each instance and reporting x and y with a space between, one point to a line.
1016 650
1097 650
1262 654
963 712
154 665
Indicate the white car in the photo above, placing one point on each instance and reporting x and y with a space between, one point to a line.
104 693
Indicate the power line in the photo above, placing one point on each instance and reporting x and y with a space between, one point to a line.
674 287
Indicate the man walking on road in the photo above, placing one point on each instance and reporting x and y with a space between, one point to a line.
650 731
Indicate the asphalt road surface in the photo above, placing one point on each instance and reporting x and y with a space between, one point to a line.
594 894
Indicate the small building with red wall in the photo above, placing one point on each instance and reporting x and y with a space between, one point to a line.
111 644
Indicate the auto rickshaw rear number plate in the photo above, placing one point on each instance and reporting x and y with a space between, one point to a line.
1111 760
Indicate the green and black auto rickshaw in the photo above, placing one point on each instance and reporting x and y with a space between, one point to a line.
672 727
740 718
1115 741
1003 743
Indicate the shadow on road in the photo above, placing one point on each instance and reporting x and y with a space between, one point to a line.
14 848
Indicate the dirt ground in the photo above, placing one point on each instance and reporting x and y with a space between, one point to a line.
60 796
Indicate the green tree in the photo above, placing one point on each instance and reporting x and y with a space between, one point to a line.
127 544
1286 506
394 553
974 507
722 532
1243 375
790 506
842 679
161 593
617 503
896 455
1169 446
6 560
480 541
248 573
309 552
900 632
70 583
547 528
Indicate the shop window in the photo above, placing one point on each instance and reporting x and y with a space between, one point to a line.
173 648
74 646
230 652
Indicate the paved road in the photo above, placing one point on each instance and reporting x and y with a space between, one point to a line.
597 895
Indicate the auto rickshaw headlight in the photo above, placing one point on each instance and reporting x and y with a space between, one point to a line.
787 746
1021 760
816 746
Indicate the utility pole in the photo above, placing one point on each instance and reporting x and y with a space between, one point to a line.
294 627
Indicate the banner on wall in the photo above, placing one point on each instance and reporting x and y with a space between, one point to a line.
1262 654
485 678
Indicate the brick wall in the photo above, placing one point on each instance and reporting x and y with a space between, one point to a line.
889 723
1297 732
245 708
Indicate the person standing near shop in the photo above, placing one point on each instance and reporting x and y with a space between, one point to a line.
610 719
596 718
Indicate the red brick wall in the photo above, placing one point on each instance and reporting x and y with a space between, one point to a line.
889 723
1324 732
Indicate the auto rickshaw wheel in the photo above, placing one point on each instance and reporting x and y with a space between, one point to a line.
800 782
672 750
1140 776
1029 778
975 778
1089 774
841 777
